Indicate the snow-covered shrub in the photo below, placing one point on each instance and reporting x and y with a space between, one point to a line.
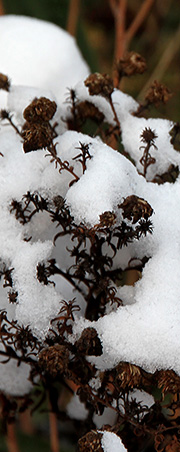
77 217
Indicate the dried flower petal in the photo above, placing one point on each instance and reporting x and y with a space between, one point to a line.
132 63
41 109
158 93
91 442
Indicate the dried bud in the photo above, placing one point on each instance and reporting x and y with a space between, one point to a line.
175 136
132 63
128 376
4 82
36 136
135 208
90 442
89 343
158 93
54 360
41 109
107 219
168 381
101 84
87 110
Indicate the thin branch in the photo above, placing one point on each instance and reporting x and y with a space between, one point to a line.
53 426
73 15
138 20
11 439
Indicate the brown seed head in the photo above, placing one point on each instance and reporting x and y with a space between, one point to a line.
36 136
168 381
128 376
91 442
89 343
107 219
41 109
158 93
101 84
54 360
135 208
132 63
88 110
4 82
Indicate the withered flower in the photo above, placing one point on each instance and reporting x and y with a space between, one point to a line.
54 360
4 82
87 110
100 84
168 381
90 442
158 93
130 64
107 219
36 136
41 109
135 208
89 343
128 376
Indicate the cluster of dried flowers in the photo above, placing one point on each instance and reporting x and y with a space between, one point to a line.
93 275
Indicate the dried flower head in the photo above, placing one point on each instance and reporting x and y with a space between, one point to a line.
90 442
100 84
135 208
41 109
130 64
158 93
128 376
54 360
107 219
87 110
36 136
89 343
168 381
4 82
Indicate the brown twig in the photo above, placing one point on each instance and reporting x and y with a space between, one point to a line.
138 20
118 8
73 15
54 440
11 439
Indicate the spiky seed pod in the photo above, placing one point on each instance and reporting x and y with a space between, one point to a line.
130 64
41 109
54 360
91 442
100 84
89 343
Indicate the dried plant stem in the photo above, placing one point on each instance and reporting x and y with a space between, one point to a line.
73 16
1 8
138 20
11 439
53 427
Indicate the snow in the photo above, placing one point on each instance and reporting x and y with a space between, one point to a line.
145 329
110 441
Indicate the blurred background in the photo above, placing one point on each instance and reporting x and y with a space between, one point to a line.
156 37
